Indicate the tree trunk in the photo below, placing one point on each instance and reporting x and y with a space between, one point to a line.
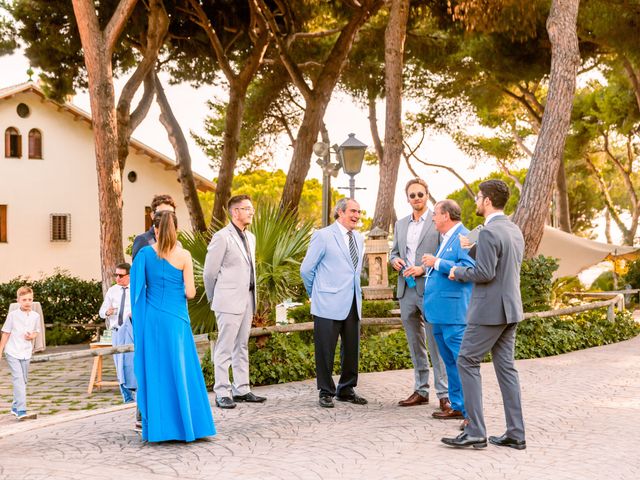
232 126
394 39
181 149
317 98
98 49
373 126
533 207
564 218
157 28
301 161
238 85
607 226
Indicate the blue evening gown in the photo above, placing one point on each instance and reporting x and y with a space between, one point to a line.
172 396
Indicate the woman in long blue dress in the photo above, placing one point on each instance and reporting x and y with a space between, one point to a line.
172 395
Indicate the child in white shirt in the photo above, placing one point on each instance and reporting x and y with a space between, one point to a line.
18 332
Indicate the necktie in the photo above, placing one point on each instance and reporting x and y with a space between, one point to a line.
353 251
121 309
245 242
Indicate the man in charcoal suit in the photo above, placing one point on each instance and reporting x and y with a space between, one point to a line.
494 312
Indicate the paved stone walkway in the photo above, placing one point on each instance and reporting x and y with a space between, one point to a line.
59 386
581 411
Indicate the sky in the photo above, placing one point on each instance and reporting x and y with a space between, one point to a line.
342 117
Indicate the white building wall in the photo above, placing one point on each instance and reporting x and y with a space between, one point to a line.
65 181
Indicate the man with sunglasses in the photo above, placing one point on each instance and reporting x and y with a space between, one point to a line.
414 236
116 309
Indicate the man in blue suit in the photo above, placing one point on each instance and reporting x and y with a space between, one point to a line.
331 275
446 301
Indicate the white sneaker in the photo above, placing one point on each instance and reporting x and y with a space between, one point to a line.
27 416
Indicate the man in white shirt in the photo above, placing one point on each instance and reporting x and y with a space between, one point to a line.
116 309
18 332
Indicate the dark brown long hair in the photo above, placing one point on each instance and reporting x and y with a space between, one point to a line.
167 224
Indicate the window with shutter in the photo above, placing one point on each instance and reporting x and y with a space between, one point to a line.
3 224
12 143
35 144
147 218
60 227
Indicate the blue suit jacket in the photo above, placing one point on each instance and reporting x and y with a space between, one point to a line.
329 276
446 301
142 240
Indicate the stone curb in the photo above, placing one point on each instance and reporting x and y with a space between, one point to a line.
48 421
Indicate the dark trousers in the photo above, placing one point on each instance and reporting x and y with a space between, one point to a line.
325 336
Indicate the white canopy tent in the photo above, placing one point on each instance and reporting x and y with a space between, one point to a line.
576 253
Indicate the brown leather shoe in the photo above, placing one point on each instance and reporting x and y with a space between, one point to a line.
445 404
448 414
414 399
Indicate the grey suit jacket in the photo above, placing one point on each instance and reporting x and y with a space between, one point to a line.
428 243
496 298
227 271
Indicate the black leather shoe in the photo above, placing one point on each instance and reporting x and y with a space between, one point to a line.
353 398
249 398
225 402
504 441
465 440
326 401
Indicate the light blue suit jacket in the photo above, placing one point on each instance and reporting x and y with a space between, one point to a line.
446 301
329 275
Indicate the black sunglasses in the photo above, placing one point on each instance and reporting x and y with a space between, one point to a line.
118 275
413 195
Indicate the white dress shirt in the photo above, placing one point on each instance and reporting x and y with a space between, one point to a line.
345 236
413 237
112 299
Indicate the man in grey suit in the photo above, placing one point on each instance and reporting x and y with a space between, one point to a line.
230 284
492 319
414 236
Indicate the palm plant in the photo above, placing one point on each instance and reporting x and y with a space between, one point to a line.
202 318
281 243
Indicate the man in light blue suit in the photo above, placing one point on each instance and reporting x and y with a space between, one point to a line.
331 275
446 301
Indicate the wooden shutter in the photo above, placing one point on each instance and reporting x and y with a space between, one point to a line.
35 144
60 227
3 223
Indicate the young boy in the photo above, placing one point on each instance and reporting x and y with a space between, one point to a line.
21 327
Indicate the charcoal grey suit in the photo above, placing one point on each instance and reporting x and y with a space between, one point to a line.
494 312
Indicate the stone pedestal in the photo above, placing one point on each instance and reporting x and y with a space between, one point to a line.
376 253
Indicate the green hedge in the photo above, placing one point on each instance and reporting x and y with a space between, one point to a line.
64 300
288 357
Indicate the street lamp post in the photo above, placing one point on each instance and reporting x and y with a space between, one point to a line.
329 169
351 154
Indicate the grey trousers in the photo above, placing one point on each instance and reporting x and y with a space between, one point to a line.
420 334
19 376
478 340
232 349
